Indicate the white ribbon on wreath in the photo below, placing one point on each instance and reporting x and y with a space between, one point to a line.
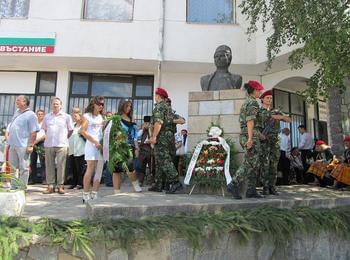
197 151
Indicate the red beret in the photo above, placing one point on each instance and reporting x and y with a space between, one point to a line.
266 93
184 130
255 85
162 92
347 138
320 142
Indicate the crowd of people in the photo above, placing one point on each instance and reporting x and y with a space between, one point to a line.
87 145
267 152
80 142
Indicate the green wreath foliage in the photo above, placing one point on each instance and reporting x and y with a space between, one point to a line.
206 170
119 149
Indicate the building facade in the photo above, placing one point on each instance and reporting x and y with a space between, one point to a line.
75 49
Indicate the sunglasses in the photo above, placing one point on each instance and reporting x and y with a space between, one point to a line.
100 104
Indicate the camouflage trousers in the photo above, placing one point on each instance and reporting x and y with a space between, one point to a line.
269 156
249 169
165 171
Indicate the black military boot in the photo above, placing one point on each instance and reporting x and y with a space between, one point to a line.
174 187
266 191
233 188
272 190
252 193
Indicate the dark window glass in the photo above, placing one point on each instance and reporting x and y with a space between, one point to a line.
114 88
47 82
210 11
80 84
281 100
297 104
111 86
144 87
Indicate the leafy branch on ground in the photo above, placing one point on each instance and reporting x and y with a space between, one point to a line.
278 225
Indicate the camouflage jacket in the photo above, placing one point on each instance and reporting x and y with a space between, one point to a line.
249 111
268 125
163 114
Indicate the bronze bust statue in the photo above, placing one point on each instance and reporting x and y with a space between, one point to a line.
221 78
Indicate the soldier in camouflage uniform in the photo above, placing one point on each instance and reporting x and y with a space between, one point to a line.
177 120
163 140
270 148
249 140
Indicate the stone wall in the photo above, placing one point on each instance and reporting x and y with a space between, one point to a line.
314 247
219 107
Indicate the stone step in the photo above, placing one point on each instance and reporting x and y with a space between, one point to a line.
137 205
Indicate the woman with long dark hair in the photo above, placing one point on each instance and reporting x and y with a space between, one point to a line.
91 129
129 128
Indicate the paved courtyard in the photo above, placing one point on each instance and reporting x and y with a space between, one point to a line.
130 204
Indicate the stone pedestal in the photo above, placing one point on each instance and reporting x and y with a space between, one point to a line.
220 107
12 203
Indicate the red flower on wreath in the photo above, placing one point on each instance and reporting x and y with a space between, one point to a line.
220 162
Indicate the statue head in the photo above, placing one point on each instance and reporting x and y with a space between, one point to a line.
222 57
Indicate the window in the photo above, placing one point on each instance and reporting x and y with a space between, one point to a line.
114 88
45 90
113 10
111 86
294 106
14 8
320 121
210 11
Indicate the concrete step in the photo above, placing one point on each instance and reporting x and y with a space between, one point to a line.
137 205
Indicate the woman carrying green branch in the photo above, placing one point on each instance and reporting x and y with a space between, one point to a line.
120 147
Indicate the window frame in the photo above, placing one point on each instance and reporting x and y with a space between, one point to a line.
304 115
133 97
84 8
36 93
234 16
18 18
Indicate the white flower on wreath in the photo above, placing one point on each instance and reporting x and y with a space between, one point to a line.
214 131
199 169
211 161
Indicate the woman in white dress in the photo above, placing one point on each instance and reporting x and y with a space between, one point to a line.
91 129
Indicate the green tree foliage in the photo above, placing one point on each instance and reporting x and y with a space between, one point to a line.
321 27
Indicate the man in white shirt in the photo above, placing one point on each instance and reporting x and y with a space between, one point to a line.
305 146
284 163
58 127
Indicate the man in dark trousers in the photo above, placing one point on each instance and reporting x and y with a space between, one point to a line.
145 155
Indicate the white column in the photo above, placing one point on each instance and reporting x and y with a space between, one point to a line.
62 88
